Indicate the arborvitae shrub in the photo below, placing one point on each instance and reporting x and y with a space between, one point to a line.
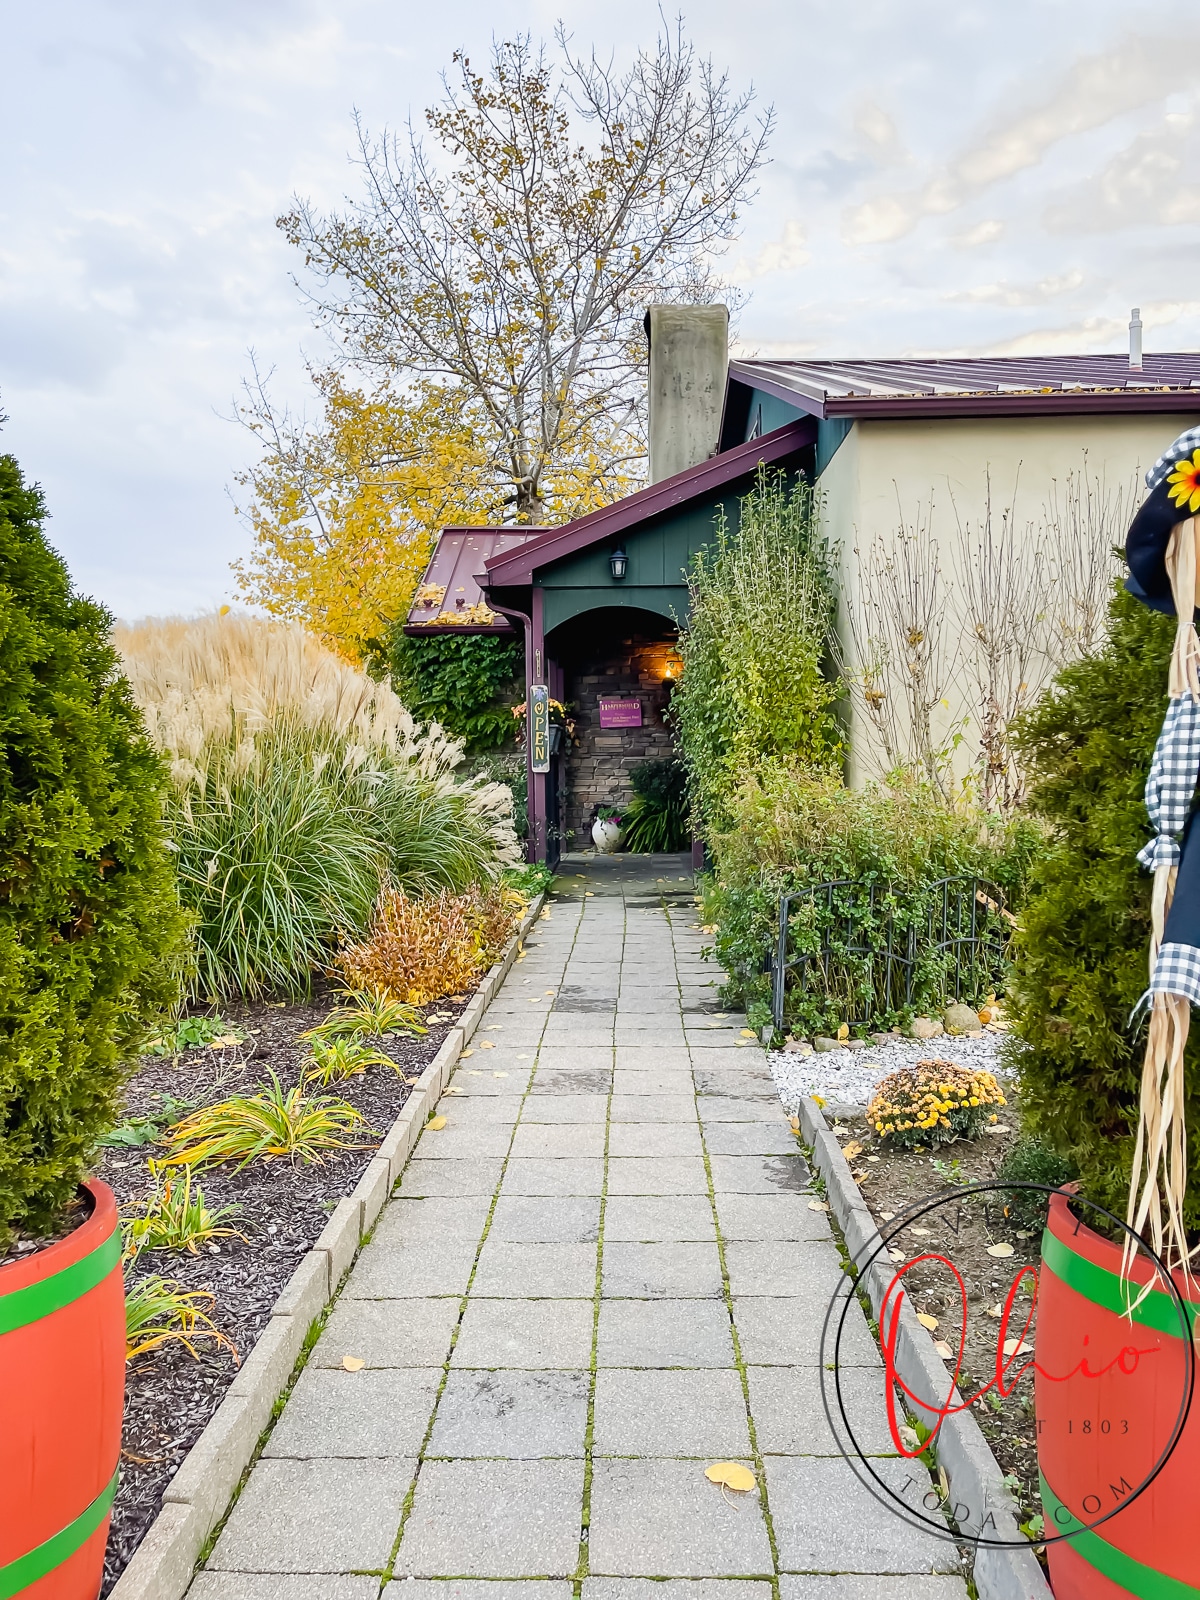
1082 952
90 926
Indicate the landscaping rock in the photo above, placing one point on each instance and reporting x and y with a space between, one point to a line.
854 1044
926 1028
798 1047
961 1019
822 1045
881 1038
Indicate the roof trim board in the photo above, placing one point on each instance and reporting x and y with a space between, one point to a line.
986 386
515 567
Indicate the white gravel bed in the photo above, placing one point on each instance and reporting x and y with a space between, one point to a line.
849 1077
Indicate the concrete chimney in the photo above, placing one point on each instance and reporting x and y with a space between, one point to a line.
1135 340
689 357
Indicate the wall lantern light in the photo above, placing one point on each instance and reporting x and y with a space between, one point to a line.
619 562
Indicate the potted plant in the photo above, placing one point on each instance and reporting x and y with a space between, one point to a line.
607 830
90 938
1079 976
562 724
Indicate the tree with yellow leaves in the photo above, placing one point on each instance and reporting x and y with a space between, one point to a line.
490 298
515 264
345 511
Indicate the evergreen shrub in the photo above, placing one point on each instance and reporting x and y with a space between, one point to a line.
91 933
755 682
1081 954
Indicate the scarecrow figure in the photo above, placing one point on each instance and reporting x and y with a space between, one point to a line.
1164 566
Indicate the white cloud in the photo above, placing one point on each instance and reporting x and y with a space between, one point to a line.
785 254
985 232
1155 179
1016 294
1089 94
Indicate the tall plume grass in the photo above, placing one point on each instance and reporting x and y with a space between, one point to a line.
299 785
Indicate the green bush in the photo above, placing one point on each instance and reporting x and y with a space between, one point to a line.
91 933
1031 1161
283 845
791 829
754 650
467 682
1082 950
656 818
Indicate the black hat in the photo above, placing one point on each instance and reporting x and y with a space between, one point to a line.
1174 485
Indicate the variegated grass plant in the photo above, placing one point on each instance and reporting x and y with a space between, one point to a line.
176 1216
159 1311
299 786
274 1122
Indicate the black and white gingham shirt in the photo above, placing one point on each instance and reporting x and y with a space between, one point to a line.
1170 790
1171 786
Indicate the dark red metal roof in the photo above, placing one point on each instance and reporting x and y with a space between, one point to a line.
448 596
514 567
984 386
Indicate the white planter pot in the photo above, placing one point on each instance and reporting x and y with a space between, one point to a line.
606 835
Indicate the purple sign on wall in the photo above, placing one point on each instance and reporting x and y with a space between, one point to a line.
620 711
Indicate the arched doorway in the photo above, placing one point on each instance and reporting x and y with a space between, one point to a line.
618 666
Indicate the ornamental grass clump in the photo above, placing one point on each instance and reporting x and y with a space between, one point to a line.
932 1103
299 786
426 947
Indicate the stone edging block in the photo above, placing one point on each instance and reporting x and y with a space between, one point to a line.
198 1495
972 1471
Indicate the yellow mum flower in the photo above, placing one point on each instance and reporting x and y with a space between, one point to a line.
1184 484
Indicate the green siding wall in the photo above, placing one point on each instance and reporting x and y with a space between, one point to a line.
659 556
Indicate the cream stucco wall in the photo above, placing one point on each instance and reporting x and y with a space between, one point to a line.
936 472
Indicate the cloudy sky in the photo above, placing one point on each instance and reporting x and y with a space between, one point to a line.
947 177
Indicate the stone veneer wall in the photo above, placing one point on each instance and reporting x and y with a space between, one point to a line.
596 770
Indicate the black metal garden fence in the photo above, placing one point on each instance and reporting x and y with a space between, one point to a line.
871 952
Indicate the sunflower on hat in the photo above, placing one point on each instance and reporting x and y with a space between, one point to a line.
1183 485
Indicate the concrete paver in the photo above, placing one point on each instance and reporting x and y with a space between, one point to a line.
546 1316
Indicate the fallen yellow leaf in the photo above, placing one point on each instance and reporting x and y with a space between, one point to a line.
896 1255
943 1349
921 1233
995 1311
1000 1250
499 1074
225 1041
844 1031
927 1321
353 1363
817 1205
749 1033
487 1044
794 1124
852 1149
466 1053
818 1100
731 1475
436 1124
1017 1347
886 1216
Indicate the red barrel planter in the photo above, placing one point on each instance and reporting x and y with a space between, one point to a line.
62 1389
1109 1389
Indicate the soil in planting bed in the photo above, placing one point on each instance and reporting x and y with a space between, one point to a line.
963 1230
282 1207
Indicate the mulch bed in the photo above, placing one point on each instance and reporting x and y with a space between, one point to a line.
893 1180
170 1396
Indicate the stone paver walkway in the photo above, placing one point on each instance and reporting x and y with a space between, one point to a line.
601 1276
